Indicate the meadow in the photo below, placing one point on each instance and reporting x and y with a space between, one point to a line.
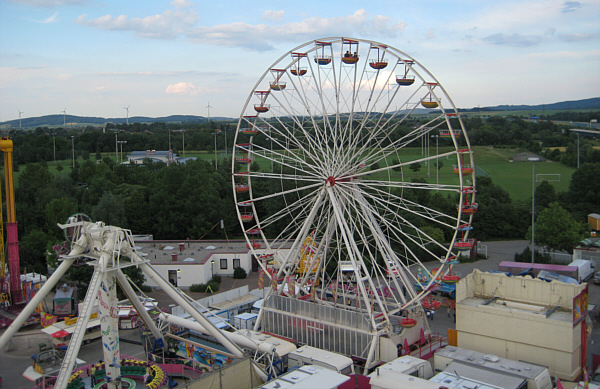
498 163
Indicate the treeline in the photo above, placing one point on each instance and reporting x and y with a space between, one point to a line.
170 202
181 201
553 141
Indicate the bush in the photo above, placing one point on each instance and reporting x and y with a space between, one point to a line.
210 287
239 273
216 278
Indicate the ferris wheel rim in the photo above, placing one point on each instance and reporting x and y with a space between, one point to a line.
320 171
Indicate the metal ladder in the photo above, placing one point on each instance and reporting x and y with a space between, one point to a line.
68 362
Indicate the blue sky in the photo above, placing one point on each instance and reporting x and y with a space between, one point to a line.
95 57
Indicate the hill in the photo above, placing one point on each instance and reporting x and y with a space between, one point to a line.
73 120
593 103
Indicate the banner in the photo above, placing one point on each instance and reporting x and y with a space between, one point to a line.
47 319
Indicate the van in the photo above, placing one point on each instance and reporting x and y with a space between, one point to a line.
307 355
400 371
585 269
452 359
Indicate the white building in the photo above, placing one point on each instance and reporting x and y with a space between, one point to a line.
184 263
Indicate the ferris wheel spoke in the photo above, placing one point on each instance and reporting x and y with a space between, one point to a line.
408 185
401 236
366 214
404 141
314 148
301 204
397 202
284 160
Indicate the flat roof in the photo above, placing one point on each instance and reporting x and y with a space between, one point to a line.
308 377
236 302
541 266
491 362
458 371
539 310
160 252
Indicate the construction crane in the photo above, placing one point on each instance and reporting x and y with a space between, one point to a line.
12 237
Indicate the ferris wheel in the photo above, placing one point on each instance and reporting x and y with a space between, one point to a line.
335 177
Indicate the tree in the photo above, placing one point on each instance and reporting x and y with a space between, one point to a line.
557 229
415 167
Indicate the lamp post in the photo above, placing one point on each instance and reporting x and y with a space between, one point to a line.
121 143
533 160
212 269
73 148
437 161
215 135
54 145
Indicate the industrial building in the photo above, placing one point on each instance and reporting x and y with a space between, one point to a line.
524 319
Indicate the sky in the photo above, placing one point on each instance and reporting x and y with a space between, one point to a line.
157 58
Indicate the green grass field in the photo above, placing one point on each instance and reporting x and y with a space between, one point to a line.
515 177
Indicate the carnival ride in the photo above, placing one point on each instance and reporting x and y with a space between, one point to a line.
333 150
109 249
9 294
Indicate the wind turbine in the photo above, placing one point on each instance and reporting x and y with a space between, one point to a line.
208 107
20 112
127 109
64 112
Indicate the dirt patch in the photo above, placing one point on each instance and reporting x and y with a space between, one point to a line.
523 157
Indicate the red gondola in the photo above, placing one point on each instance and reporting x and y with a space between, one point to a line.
466 245
350 49
463 169
447 134
241 187
245 215
321 58
405 79
379 62
468 207
296 70
252 232
244 159
408 323
276 84
262 107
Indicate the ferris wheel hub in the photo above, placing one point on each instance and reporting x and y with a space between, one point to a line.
330 181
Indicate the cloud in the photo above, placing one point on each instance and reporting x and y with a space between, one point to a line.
180 4
186 88
430 34
514 40
259 37
570 6
49 3
50 19
262 37
167 25
576 37
273 15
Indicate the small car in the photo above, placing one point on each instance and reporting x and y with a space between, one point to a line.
597 278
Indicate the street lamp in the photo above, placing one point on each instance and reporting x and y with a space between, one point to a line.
437 161
215 134
533 160
121 143
54 145
212 269
73 148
